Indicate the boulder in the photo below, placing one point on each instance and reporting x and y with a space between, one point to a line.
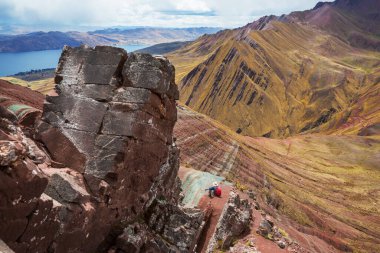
233 223
270 231
9 152
265 228
133 238
146 71
177 225
65 187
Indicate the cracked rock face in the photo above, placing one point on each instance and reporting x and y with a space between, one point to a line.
233 223
102 161
117 115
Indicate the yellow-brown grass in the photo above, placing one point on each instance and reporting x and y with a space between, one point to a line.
307 78
43 86
328 184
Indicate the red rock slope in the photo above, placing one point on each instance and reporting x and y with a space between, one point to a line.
21 94
324 189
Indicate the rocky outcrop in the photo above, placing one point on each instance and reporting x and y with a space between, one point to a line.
100 173
27 217
233 223
270 231
169 228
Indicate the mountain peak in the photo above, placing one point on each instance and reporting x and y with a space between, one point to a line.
320 4
353 5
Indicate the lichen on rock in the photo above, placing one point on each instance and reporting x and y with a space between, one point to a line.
233 223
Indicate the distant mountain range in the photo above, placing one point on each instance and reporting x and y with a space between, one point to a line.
37 41
163 48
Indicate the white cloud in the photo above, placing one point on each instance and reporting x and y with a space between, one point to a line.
191 5
170 13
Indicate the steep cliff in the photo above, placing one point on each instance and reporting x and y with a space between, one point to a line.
99 173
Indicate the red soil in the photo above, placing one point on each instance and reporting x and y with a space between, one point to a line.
21 94
217 205
263 245
182 172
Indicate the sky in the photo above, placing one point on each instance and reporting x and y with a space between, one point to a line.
63 14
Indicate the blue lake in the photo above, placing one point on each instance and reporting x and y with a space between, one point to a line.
12 63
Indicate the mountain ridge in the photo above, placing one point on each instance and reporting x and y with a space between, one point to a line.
37 41
353 21
282 70
309 82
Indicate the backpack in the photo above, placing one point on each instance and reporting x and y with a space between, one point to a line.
218 192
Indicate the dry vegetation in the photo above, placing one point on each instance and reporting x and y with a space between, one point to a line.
44 86
315 92
329 184
277 82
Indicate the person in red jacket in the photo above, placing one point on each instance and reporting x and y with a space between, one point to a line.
214 190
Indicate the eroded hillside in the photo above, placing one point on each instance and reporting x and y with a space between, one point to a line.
323 189
278 76
311 79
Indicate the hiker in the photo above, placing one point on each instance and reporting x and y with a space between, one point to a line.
214 190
